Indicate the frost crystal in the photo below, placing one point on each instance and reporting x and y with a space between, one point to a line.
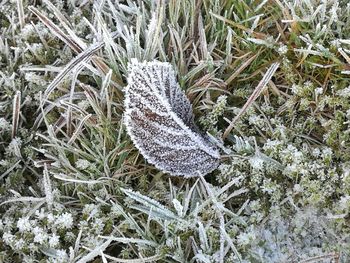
39 235
54 241
64 221
159 120
24 225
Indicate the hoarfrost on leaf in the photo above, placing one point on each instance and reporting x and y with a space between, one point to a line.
159 120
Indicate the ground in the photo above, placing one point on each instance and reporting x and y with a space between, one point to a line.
73 186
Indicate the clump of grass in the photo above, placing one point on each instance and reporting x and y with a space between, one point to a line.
73 188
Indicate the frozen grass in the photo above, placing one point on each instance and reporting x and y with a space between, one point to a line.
73 188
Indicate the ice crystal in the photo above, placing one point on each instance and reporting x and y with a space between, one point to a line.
4 125
54 241
24 225
64 221
39 235
159 120
282 50
82 164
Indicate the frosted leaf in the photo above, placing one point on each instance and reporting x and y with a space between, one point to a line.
159 120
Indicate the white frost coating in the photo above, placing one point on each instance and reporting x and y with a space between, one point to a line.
159 120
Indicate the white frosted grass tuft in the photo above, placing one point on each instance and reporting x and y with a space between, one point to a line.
159 120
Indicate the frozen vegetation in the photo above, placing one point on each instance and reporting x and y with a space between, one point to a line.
175 131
